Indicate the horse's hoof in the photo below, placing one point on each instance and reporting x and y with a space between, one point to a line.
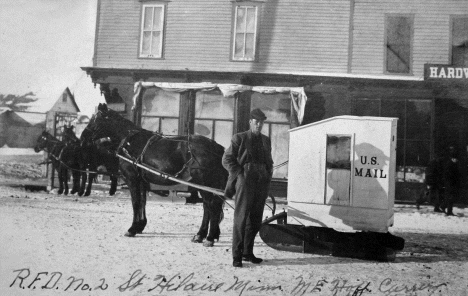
139 232
208 243
197 239
129 234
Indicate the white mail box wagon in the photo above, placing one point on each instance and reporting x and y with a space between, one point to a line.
341 189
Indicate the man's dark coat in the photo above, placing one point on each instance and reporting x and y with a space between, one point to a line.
238 154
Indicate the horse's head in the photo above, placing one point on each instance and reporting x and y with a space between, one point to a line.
104 129
68 135
42 141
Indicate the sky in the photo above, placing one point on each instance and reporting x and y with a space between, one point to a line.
43 45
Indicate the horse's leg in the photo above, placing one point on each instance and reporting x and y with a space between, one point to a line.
135 186
65 180
92 177
76 182
60 179
141 224
203 231
84 178
215 208
113 187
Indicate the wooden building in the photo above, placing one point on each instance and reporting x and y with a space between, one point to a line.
20 129
351 57
63 112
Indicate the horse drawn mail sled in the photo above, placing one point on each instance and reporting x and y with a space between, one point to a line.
341 190
341 182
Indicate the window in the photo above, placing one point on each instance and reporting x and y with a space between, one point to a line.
460 41
245 32
160 112
399 30
277 108
338 169
152 31
214 116
64 97
414 134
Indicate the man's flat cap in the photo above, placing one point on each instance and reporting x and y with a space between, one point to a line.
257 114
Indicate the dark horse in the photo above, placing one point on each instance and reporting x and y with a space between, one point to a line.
192 158
64 157
90 159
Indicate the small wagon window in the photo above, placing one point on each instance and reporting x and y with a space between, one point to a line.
339 152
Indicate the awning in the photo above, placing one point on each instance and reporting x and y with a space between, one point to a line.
297 94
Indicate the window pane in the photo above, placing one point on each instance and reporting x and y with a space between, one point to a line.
460 31
160 103
145 48
239 46
277 107
204 128
395 108
249 46
169 126
250 20
213 104
338 152
400 153
148 18
223 132
280 148
240 21
398 44
398 59
417 153
150 123
155 46
157 19
460 42
367 107
418 119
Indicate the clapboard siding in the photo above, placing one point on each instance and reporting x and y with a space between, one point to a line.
431 32
307 35
295 36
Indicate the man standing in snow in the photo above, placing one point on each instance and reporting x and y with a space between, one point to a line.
451 176
250 165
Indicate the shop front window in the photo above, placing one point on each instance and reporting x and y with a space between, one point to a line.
413 132
277 108
160 112
214 116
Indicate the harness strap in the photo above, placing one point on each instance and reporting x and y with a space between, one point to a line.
150 141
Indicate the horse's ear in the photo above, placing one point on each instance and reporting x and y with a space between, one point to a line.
102 107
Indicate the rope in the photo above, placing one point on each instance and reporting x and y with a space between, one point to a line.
164 175
280 165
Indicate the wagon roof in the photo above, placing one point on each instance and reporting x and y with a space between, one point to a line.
347 117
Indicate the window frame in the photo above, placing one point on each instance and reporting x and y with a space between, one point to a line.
235 7
404 140
163 31
452 19
410 16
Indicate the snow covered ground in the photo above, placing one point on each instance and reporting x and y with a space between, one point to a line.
54 245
